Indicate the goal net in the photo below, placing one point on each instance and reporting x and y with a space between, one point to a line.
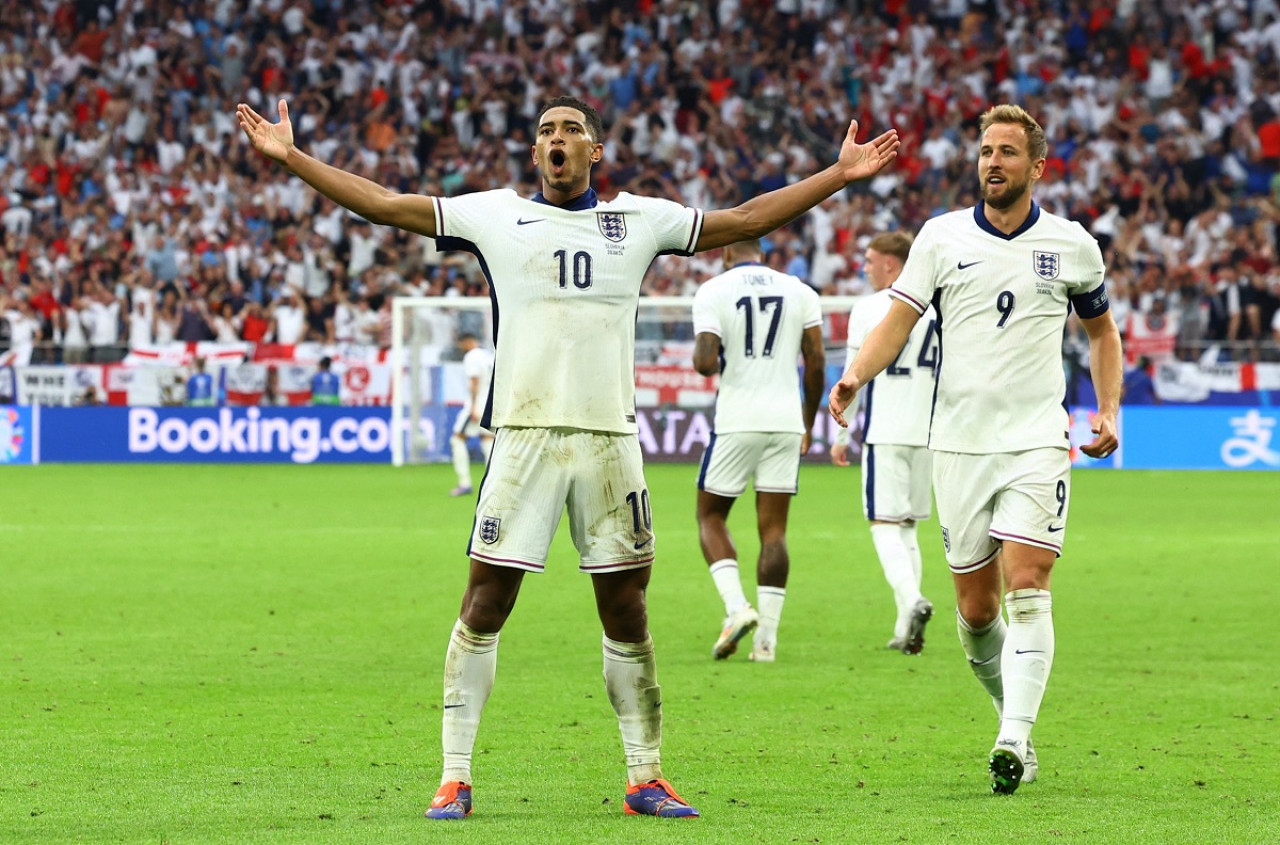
673 402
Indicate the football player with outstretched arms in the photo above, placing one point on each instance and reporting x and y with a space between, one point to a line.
564 270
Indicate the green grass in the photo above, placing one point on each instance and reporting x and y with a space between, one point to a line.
253 655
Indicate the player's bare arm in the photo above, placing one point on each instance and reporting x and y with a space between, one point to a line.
814 354
1107 369
706 354
878 351
373 202
763 214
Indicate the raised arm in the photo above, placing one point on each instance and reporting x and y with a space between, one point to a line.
761 215
370 200
1107 369
882 345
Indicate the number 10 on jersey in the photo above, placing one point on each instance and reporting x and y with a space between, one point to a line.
581 267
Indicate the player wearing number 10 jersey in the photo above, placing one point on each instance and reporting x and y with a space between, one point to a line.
1002 277
564 271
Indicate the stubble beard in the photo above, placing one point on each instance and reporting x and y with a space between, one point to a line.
1012 194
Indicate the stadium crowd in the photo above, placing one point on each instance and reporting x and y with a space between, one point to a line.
133 213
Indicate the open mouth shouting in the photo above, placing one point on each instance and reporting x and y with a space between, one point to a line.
557 159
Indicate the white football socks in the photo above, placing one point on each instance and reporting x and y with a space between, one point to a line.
899 571
912 544
470 665
725 575
631 681
1026 661
769 602
461 461
983 647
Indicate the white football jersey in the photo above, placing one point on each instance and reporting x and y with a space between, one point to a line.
478 364
759 315
1002 303
565 283
899 402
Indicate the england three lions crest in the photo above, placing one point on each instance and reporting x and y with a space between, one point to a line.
1047 265
613 225
489 529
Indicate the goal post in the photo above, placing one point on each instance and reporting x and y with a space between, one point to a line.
428 387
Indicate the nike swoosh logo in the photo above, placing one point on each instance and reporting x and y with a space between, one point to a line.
960 265
451 706
1028 651
642 544
1053 530
527 222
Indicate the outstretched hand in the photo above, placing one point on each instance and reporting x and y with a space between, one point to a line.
862 161
274 140
841 397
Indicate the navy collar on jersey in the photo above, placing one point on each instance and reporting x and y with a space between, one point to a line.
980 217
747 264
579 203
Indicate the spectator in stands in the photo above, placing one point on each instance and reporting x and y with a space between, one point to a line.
71 323
288 320
194 324
24 328
103 322
168 318
142 309
254 324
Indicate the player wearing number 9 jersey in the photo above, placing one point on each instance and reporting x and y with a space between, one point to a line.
564 271
1002 277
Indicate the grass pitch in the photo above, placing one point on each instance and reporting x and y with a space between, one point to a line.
246 654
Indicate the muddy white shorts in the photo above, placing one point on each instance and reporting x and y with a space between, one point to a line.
534 474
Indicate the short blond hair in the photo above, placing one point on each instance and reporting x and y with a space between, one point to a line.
1037 143
897 244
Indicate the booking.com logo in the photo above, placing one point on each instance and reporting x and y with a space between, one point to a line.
303 439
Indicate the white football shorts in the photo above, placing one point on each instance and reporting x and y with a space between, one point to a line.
772 459
984 500
895 482
464 426
534 473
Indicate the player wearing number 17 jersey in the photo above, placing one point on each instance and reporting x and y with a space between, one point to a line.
564 271
752 323
1002 277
